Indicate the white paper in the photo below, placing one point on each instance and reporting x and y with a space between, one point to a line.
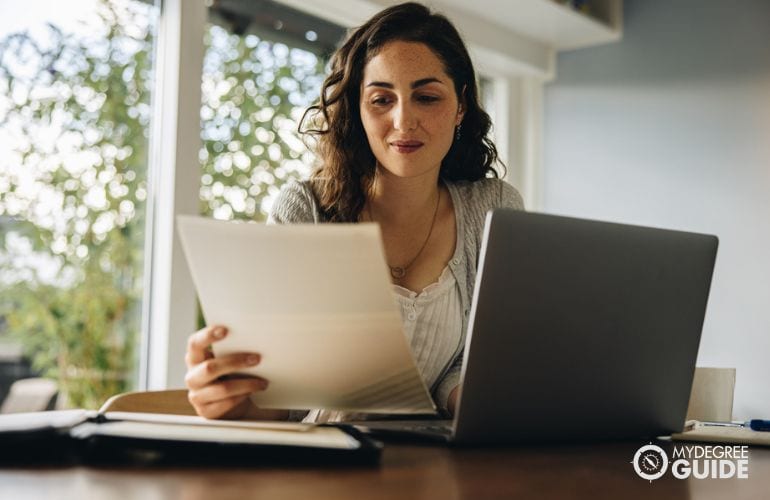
168 418
322 437
316 303
13 422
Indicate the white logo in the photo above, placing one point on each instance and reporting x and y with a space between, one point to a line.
650 462
696 461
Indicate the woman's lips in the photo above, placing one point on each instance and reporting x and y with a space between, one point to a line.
406 146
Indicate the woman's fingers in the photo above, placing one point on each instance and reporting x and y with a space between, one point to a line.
226 389
233 407
212 391
199 344
225 399
210 370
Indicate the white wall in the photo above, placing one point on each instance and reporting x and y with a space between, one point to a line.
671 128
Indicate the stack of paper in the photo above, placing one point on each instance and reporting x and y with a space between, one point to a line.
316 303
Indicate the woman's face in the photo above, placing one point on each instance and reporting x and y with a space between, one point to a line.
409 109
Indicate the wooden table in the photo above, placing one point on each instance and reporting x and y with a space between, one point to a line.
406 471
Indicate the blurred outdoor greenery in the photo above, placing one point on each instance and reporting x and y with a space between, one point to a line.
75 109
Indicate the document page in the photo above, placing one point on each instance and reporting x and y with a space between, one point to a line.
320 437
20 422
168 418
316 303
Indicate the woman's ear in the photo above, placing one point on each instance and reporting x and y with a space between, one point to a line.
461 107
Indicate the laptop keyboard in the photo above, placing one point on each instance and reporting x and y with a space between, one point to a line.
434 428
438 429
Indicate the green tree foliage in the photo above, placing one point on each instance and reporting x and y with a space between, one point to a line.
254 92
76 108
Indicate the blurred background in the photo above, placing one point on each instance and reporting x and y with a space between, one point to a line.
77 82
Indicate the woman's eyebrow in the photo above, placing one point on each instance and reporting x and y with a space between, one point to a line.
414 85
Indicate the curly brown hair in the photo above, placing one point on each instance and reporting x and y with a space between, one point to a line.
347 165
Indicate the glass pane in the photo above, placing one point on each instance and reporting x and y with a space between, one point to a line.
487 97
264 64
75 80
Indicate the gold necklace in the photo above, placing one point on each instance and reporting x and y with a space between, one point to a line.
399 272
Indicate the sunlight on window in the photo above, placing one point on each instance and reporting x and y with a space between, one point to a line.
256 85
75 81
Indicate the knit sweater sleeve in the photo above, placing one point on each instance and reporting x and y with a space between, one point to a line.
295 204
487 194
510 197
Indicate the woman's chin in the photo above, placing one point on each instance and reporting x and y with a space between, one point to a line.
407 171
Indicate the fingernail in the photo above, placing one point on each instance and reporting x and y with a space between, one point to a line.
253 359
219 333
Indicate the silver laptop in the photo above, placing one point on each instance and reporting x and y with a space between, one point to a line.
580 330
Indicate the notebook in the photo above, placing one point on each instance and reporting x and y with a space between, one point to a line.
579 330
91 437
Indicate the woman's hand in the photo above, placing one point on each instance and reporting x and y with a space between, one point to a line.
212 389
452 400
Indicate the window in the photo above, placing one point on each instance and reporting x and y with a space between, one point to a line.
75 82
263 66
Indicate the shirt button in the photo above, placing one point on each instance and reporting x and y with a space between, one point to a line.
455 261
411 316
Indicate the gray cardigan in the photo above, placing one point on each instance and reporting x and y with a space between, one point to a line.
296 203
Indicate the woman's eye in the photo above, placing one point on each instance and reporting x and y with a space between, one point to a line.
427 98
380 101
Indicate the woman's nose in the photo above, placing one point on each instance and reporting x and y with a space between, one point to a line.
404 118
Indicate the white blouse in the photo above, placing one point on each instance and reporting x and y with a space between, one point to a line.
432 322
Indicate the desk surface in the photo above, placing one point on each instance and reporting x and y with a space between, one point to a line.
406 471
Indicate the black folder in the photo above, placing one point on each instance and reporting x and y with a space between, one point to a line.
91 438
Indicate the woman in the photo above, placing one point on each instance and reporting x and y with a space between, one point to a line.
402 141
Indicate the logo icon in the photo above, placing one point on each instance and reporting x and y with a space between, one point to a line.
650 462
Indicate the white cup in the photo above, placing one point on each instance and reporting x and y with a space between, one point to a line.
711 398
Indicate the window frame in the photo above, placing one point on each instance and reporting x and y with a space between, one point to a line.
170 301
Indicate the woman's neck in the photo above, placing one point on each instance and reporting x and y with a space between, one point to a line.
395 199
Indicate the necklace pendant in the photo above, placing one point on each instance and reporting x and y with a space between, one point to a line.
397 272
